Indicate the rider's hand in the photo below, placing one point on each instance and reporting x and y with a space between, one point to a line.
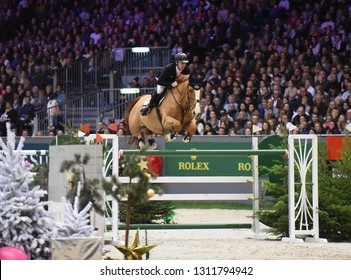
174 84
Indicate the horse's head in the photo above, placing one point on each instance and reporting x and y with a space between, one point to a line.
189 96
197 92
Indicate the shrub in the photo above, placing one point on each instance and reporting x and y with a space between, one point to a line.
149 212
334 196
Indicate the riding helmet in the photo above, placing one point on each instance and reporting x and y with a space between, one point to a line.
181 57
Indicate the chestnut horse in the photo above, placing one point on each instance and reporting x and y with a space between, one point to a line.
176 115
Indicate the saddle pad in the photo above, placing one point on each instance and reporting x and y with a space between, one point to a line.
146 102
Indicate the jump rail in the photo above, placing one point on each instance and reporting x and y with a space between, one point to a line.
225 152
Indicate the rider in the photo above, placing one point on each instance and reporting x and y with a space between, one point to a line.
167 79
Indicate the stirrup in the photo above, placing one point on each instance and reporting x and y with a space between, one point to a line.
145 111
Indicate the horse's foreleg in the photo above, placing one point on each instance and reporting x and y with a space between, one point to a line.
190 130
172 125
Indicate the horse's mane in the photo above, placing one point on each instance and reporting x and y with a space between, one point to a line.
182 78
182 84
127 113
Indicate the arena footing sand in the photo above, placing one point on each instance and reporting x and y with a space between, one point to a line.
227 244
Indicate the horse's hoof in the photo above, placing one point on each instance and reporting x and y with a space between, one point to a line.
170 137
152 147
152 144
186 139
141 143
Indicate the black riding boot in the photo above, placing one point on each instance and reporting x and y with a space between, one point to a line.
145 111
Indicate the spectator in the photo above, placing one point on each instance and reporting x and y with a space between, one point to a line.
60 95
348 117
341 123
38 78
39 133
9 116
318 128
41 102
146 83
266 128
107 131
347 92
120 132
291 91
213 120
332 128
25 117
9 94
248 131
16 103
303 128
222 130
54 114
299 113
256 120
95 35
152 78
209 129
200 125
25 133
100 127
60 132
122 125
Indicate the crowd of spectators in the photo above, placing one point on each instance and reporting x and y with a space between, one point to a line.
282 66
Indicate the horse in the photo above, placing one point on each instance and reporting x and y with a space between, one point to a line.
174 115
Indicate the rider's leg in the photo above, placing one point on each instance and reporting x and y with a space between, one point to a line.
155 98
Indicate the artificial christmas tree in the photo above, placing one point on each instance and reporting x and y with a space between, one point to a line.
24 221
75 238
75 223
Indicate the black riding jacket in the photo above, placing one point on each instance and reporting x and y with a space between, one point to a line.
169 75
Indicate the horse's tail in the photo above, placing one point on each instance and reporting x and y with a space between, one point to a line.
126 119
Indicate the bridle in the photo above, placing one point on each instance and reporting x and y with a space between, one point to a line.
188 106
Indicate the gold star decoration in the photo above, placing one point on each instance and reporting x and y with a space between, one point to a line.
135 251
143 163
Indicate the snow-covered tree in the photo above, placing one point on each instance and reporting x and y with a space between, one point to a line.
24 221
75 223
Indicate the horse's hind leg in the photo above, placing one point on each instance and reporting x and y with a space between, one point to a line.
152 142
141 142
